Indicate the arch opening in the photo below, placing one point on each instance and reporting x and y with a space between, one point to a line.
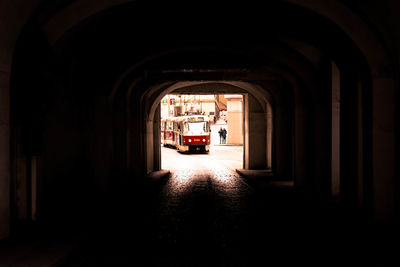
256 122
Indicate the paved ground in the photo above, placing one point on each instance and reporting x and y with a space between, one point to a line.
203 214
220 156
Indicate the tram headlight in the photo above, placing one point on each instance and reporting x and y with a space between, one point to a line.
190 140
204 140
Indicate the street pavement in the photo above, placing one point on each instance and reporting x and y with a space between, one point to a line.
220 156
206 214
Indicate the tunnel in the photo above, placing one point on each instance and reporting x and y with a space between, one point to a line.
80 159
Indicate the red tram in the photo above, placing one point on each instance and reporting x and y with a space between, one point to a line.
186 133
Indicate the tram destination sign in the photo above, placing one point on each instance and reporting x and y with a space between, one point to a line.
195 119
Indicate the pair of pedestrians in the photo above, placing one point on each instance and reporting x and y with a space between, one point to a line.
222 135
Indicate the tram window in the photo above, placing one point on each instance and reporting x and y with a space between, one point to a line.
195 127
206 127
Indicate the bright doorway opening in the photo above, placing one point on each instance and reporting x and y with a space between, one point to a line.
202 131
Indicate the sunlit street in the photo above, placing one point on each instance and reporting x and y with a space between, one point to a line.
197 172
228 157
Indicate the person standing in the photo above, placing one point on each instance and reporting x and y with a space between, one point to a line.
224 133
220 132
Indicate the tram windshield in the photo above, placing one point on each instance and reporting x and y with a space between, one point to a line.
196 127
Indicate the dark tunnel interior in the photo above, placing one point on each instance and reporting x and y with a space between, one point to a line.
83 183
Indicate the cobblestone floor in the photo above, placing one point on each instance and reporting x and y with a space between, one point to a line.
205 214
202 206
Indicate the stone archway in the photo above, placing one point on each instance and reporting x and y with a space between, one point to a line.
379 112
256 106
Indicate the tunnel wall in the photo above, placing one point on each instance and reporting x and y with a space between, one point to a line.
256 134
10 28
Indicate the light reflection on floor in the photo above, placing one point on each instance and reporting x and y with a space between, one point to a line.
210 177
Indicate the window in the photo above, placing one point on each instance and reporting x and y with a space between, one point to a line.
196 127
